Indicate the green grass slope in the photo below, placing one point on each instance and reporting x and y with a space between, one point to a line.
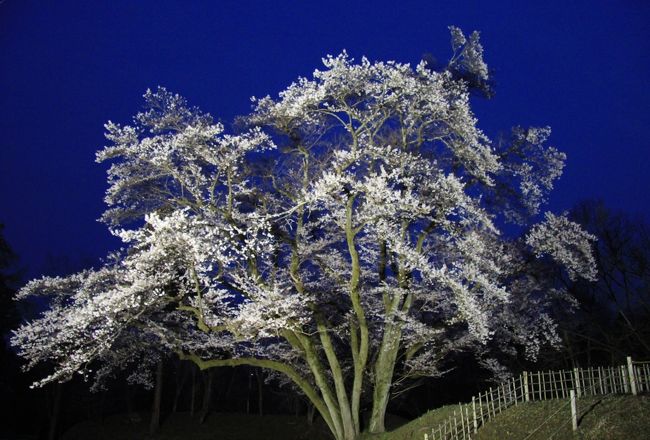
416 428
604 418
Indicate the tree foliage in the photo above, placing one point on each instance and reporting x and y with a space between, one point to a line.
346 238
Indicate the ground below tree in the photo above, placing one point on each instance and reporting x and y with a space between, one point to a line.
221 426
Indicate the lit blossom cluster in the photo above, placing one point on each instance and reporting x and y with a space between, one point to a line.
566 242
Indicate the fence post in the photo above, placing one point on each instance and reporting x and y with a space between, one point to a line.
576 378
630 372
499 398
474 414
462 420
491 399
574 412
526 395
624 378
600 380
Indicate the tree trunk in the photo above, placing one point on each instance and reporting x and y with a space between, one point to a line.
383 372
193 394
56 410
155 408
207 396
260 391
311 412
133 416
181 378
102 404
248 392
569 345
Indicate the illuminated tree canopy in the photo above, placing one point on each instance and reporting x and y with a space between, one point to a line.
346 236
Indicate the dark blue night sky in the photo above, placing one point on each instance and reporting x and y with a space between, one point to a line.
581 67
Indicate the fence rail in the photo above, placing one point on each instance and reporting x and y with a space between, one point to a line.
632 378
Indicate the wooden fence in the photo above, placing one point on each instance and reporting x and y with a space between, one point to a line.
632 378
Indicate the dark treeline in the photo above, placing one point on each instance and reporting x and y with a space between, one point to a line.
613 318
48 412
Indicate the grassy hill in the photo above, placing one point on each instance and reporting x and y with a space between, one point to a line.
604 418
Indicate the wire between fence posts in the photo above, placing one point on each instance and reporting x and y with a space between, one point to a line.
630 372
574 411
